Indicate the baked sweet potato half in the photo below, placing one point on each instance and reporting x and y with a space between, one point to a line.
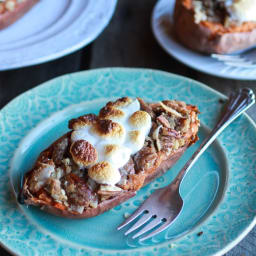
105 159
215 26
12 10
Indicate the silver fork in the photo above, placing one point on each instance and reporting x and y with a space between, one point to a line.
243 60
164 205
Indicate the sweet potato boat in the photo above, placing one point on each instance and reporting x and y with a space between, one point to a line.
211 36
62 180
12 10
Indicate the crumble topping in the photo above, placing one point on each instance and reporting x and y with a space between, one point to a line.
82 169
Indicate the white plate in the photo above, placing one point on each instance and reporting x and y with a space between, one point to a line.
51 29
162 29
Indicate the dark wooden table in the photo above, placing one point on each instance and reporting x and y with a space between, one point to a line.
127 42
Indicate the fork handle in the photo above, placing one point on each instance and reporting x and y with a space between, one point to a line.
238 102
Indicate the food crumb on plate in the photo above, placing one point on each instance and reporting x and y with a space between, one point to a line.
200 233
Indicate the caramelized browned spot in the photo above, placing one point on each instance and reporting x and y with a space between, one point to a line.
101 172
110 149
110 112
89 119
83 152
120 102
108 128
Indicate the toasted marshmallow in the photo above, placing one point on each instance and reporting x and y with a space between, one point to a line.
116 155
84 134
130 107
119 132
104 173
109 130
83 153
120 103
40 175
140 119
135 140
79 125
111 113
242 10
83 121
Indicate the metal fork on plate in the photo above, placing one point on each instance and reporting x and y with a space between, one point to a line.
164 205
244 60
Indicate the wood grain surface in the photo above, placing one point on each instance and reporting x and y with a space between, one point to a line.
126 42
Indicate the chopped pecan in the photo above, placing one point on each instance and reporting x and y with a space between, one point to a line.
128 168
59 150
171 110
77 190
146 159
163 121
53 186
170 132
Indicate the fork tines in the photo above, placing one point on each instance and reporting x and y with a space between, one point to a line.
153 221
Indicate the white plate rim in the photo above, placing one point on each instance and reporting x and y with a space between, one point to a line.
95 14
166 42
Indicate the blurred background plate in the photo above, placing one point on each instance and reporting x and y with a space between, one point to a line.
162 18
52 29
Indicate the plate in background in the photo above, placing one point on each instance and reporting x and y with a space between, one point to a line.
52 29
162 19
219 191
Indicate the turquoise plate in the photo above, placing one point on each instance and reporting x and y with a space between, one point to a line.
219 191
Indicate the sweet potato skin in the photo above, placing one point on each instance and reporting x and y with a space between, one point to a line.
10 17
202 38
108 204
102 207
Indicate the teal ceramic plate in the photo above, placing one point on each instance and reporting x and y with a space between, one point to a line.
219 191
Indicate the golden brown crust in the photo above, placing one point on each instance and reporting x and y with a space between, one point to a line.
122 102
210 37
102 171
110 112
82 121
9 17
140 119
108 129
